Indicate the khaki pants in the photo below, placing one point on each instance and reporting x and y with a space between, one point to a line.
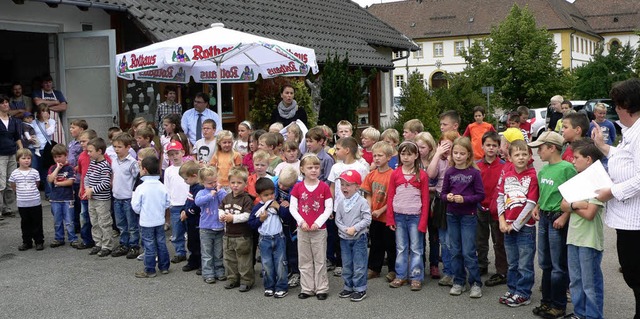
238 260
100 216
7 195
312 254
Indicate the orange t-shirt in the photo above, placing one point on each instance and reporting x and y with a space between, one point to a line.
475 131
223 161
251 187
376 184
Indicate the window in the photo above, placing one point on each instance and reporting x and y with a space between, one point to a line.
397 54
418 54
438 49
420 77
399 80
459 48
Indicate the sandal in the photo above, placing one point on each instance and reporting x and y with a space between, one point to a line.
416 285
396 283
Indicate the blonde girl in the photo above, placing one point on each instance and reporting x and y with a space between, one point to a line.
225 157
241 144
462 189
407 215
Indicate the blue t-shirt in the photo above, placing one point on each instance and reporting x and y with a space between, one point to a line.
393 162
60 193
54 95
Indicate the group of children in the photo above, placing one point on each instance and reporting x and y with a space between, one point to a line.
310 208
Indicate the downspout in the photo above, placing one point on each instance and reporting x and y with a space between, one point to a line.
85 4
571 50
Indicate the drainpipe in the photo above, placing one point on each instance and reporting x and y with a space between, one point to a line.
571 50
86 4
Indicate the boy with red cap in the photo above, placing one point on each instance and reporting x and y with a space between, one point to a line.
178 192
353 217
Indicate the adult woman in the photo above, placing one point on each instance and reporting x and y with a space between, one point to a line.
288 110
44 127
623 198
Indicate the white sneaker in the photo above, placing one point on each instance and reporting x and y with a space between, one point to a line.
337 271
141 256
457 290
476 291
294 281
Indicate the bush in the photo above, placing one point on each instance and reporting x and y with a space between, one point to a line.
268 96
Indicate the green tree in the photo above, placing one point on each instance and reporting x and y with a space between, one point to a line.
595 78
417 103
462 95
268 96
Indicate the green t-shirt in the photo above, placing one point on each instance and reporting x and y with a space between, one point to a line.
587 233
551 176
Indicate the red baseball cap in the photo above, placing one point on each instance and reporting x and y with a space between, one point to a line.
174 146
351 176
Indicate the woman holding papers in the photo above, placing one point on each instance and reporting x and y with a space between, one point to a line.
623 198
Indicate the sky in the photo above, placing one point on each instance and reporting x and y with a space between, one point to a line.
363 3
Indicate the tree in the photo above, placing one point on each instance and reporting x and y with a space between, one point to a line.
268 96
462 95
595 78
417 103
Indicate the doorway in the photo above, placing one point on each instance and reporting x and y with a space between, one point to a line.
24 57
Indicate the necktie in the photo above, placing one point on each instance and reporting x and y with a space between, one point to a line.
199 127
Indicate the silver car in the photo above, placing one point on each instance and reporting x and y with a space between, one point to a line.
538 120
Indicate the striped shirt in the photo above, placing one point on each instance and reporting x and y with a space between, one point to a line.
99 179
623 210
27 194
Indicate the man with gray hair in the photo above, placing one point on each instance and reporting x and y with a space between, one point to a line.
554 111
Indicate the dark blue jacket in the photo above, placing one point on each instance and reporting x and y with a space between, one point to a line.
9 136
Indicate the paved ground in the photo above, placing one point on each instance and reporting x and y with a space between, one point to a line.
64 282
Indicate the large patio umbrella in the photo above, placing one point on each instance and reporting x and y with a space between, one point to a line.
217 55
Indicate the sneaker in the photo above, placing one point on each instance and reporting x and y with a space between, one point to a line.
56 243
143 274
435 272
330 265
553 313
40 246
199 272
337 272
397 283
572 316
517 301
495 280
104 253
358 296
120 251
74 244
24 247
268 293
133 253
188 267
219 278
505 298
539 310
345 294
390 276
446 281
294 281
372 274
210 280
457 290
280 294
476 291
83 246
141 256
95 250
244 288
164 272
177 259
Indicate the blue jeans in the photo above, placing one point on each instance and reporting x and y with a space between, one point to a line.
354 263
211 251
85 222
445 253
63 219
586 285
409 245
153 241
274 262
128 223
462 243
178 229
552 258
521 249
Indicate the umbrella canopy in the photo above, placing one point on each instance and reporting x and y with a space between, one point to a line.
216 55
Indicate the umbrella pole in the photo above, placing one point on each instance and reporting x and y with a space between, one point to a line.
219 92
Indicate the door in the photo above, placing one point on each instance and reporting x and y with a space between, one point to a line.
88 79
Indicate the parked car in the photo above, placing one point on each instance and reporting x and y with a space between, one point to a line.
611 111
538 120
578 104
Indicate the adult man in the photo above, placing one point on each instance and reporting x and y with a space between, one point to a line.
192 119
56 102
169 106
555 107
18 103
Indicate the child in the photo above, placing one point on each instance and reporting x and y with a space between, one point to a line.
186 146
83 165
225 158
269 143
517 196
294 133
144 137
237 239
285 181
136 124
178 193
211 227
411 128
375 187
353 217
265 218
247 160
368 137
276 127
311 205
97 189
191 214
585 242
344 129
463 190
427 148
75 149
62 176
241 144
315 140
111 153
24 182
260 165
476 130
291 157
449 121
525 124
407 215
150 200
29 137
574 128
206 146
565 108
125 170
552 232
491 167
392 137
607 128
170 127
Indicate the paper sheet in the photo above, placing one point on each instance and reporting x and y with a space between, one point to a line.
584 185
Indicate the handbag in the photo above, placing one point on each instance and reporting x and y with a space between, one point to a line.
46 159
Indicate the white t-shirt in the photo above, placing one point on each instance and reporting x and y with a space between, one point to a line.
281 166
204 151
176 187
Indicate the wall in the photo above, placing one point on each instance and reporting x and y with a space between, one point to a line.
37 15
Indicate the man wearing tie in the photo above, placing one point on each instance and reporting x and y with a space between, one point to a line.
192 119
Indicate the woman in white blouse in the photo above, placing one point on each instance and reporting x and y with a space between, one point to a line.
44 126
623 198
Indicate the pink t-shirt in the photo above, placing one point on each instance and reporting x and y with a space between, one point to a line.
311 203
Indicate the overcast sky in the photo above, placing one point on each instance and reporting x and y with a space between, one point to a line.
363 3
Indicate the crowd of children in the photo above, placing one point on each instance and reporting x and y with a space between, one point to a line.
311 208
